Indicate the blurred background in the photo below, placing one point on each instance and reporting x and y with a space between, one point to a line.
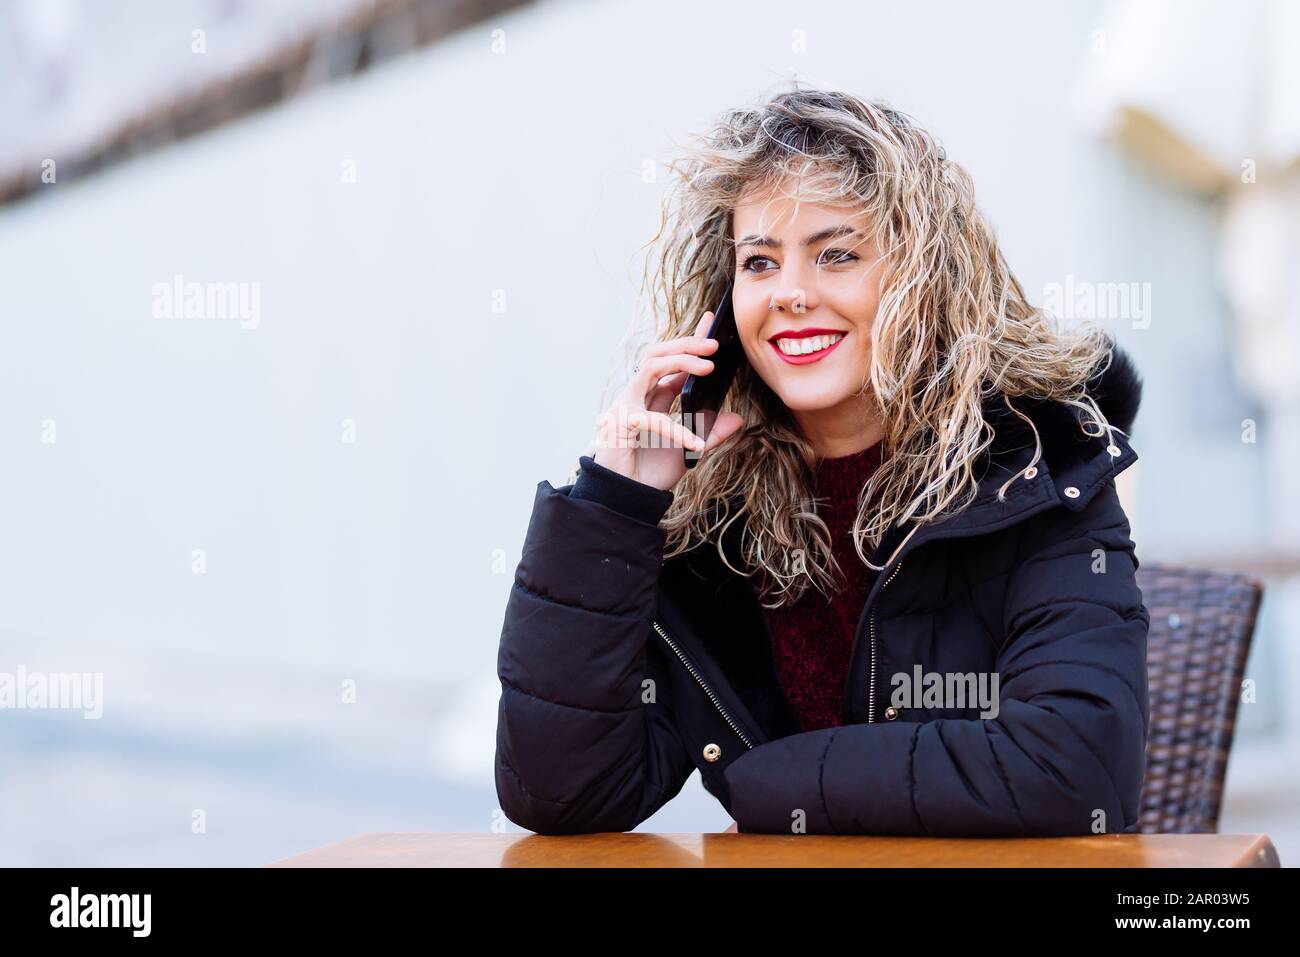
279 519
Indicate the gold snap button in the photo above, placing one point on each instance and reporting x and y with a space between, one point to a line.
712 752
1071 491
891 713
1031 471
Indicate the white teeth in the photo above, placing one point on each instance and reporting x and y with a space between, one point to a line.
801 347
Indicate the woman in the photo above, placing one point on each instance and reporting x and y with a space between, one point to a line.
896 593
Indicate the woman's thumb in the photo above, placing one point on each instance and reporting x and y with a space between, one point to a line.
727 425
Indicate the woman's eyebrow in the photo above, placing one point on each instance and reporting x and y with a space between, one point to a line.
832 232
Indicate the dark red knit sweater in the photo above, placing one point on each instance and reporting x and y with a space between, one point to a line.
812 639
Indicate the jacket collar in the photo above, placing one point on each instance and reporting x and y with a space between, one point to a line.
1072 469
1074 466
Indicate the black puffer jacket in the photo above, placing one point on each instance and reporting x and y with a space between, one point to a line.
621 673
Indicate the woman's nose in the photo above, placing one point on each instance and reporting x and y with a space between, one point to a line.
794 297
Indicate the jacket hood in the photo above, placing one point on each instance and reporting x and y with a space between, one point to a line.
1116 388
1074 456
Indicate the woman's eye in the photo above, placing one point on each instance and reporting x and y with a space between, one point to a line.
752 259
841 255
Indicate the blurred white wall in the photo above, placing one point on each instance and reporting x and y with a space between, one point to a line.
480 177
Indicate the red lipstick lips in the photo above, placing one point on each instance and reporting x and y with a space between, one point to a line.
810 357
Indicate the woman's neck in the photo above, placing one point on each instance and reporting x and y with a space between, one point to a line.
843 431
835 443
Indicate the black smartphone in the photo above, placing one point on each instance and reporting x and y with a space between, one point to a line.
702 396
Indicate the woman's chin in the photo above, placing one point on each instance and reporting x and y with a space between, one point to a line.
813 397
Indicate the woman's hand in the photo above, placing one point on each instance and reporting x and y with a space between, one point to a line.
643 405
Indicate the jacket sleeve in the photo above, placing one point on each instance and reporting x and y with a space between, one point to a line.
583 743
1065 753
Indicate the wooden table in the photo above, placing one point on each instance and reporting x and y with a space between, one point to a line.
634 849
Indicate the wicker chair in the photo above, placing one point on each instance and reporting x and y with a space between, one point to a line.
1202 623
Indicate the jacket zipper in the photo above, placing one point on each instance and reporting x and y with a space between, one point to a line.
707 690
871 678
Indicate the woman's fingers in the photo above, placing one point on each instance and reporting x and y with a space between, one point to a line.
671 434
662 395
661 376
697 343
642 407
683 354
687 345
655 368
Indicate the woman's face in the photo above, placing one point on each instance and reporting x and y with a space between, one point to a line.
807 278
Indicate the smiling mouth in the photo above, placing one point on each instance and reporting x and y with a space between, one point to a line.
801 351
